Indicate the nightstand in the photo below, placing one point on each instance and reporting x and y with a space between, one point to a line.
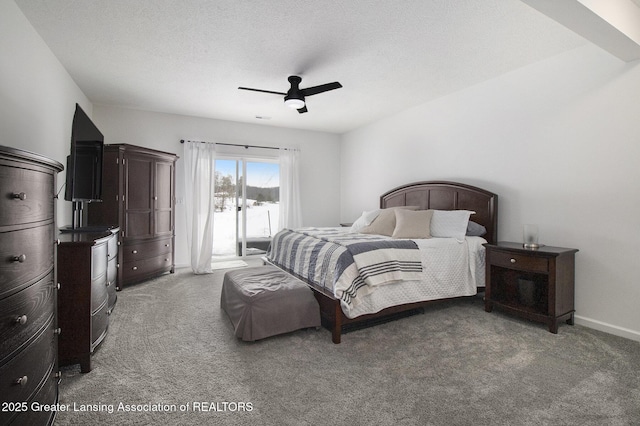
536 284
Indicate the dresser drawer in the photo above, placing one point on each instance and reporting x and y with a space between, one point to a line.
519 262
146 250
23 374
98 260
112 247
99 293
112 272
25 255
112 281
47 395
147 267
23 314
99 325
27 196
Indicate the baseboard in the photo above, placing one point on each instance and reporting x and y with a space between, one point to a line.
608 328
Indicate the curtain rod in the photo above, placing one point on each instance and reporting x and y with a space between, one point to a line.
235 144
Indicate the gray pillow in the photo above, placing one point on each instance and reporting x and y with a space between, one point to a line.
475 229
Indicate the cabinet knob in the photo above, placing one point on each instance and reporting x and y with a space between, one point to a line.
22 381
22 319
57 331
135 268
134 251
166 245
513 260
20 258
108 283
19 196
58 286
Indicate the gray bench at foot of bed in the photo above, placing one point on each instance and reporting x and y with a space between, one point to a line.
263 301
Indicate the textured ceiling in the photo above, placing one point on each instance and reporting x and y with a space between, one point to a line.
189 56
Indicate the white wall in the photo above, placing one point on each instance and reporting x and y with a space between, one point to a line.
37 95
319 155
558 141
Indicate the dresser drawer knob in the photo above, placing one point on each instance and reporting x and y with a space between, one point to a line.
513 260
22 320
135 268
21 258
22 381
134 251
57 331
166 245
108 283
19 196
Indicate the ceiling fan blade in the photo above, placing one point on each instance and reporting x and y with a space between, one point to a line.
263 91
303 110
322 88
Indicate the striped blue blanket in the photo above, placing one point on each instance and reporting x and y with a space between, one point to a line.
346 264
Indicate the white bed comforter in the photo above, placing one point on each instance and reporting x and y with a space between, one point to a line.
450 268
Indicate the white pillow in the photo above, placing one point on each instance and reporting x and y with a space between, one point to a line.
365 220
450 223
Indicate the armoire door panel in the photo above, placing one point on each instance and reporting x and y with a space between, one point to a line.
139 191
138 224
164 222
164 185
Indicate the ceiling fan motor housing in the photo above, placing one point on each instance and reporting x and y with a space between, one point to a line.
294 92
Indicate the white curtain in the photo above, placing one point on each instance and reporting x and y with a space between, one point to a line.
199 161
290 210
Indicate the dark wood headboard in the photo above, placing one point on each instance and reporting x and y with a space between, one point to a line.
440 195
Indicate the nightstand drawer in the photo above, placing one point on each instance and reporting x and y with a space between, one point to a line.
519 262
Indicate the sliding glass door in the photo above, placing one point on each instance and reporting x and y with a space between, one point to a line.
247 194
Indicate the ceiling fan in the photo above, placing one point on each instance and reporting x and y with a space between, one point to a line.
294 98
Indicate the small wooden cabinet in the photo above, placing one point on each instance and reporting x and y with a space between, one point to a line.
87 275
138 197
536 284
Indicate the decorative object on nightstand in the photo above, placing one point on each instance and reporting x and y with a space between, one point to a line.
530 234
536 284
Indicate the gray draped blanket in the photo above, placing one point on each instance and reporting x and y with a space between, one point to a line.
345 263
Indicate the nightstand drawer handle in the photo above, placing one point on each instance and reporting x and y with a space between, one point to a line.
22 320
21 258
22 381
513 260
19 196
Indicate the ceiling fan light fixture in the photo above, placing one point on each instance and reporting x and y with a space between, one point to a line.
294 103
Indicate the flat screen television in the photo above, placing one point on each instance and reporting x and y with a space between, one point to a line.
84 163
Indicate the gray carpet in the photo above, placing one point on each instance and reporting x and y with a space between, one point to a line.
169 343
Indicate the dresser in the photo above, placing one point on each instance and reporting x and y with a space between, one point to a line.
87 275
536 284
138 197
28 316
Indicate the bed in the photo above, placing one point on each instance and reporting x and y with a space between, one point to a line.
342 265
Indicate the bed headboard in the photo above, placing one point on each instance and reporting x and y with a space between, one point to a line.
440 195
